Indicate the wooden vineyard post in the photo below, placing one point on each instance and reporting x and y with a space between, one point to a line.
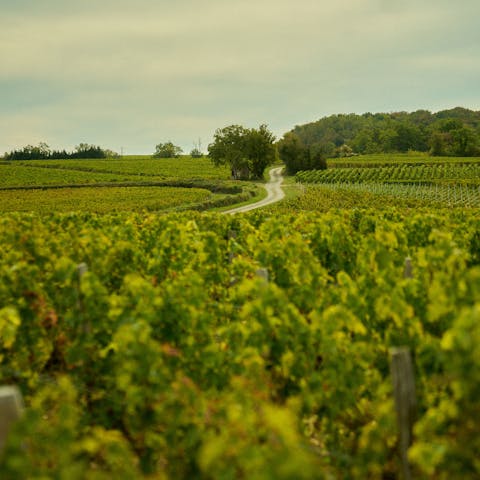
82 269
263 274
405 401
232 235
408 269
11 406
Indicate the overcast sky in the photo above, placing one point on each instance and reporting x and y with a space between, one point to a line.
133 73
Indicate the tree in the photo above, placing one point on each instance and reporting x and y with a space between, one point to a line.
110 153
196 151
465 142
452 137
167 150
292 152
84 150
315 160
344 151
437 144
247 151
297 156
261 150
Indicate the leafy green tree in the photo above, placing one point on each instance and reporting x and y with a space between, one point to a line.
84 150
292 152
196 153
344 151
44 149
111 154
248 151
297 156
452 137
316 160
364 142
167 150
229 148
326 149
437 144
409 137
464 142
261 150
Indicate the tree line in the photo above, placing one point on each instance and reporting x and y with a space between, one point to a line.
454 132
43 152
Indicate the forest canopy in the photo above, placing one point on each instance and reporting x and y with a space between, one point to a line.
454 132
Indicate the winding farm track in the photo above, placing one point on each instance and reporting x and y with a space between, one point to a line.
274 193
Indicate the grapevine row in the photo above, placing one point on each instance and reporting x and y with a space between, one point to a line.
399 173
436 195
209 346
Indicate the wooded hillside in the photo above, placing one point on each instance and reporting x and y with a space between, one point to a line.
454 132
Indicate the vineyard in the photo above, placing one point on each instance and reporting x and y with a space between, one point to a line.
436 185
388 193
127 184
140 166
323 198
394 159
101 199
207 346
400 173
199 345
18 176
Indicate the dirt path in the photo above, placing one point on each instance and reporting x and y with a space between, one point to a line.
274 193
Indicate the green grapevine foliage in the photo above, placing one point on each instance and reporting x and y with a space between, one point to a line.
399 173
149 346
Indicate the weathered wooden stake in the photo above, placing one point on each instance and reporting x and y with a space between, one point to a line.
11 407
408 270
232 235
262 273
82 269
405 401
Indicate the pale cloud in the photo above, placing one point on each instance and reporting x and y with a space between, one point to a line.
131 74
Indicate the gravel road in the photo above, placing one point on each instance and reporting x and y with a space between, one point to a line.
274 193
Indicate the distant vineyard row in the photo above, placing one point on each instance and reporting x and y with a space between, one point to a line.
401 173
390 159
119 198
177 168
324 197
